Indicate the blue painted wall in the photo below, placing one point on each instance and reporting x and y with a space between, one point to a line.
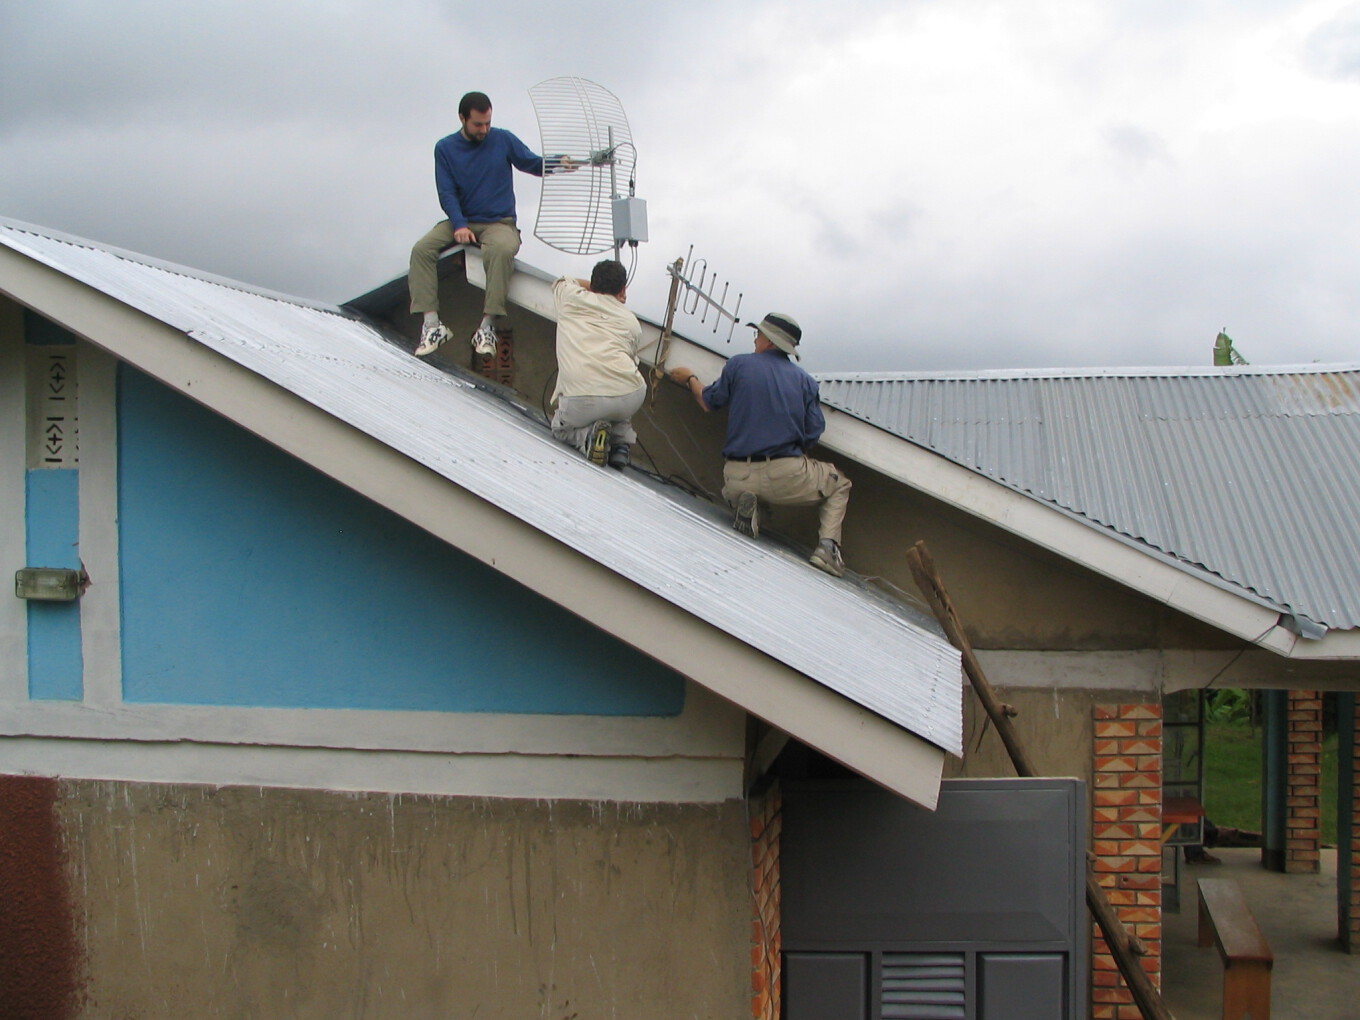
55 660
249 578
52 539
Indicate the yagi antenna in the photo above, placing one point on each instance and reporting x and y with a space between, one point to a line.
693 291
700 293
585 122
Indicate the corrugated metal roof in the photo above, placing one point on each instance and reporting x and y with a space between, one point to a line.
1248 473
883 655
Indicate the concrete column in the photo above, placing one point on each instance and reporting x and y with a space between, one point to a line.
766 945
1126 842
1303 783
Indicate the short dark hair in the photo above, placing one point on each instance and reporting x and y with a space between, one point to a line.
608 277
473 101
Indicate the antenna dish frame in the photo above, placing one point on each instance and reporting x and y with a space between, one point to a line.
585 123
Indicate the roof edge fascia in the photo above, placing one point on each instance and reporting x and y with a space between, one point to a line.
532 289
1110 555
1049 528
862 740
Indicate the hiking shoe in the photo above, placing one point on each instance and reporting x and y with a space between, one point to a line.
431 336
619 457
827 556
598 448
484 341
747 519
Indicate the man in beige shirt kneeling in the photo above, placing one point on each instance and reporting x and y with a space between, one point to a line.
599 387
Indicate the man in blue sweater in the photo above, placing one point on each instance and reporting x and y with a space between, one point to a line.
774 413
472 173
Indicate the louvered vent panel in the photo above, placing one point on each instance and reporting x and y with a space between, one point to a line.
924 986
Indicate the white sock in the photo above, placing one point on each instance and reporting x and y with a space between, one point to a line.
488 320
431 319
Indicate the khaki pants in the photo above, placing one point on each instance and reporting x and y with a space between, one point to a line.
500 244
792 481
574 416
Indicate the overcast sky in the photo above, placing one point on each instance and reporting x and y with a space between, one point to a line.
924 184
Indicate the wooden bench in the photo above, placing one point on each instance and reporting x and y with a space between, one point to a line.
1225 920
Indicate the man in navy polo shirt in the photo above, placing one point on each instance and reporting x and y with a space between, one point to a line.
472 173
774 413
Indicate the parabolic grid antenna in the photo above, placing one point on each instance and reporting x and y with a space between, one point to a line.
584 121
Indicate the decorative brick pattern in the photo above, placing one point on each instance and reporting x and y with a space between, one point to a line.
1303 779
766 822
1350 893
500 367
1126 828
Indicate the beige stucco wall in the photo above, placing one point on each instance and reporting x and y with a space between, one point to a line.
1055 726
250 902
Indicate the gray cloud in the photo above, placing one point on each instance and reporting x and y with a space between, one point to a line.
929 185
1333 50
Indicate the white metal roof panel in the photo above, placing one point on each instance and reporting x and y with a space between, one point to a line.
884 656
1249 475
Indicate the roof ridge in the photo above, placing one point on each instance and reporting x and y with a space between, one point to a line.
1107 372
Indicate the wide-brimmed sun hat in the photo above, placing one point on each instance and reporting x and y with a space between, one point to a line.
782 330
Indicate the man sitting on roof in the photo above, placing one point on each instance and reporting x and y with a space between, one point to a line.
599 388
774 415
472 175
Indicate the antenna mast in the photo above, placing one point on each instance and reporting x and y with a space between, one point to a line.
694 292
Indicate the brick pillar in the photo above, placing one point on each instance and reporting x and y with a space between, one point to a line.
1348 854
1303 783
1126 844
765 893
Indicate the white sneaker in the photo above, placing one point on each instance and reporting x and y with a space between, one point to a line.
484 341
431 336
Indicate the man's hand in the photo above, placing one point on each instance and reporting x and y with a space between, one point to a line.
464 235
565 164
685 377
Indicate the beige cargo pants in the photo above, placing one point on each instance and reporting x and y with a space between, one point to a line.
792 481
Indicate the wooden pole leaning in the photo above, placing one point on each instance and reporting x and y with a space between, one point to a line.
1124 947
663 342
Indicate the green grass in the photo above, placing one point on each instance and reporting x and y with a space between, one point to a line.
1232 778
